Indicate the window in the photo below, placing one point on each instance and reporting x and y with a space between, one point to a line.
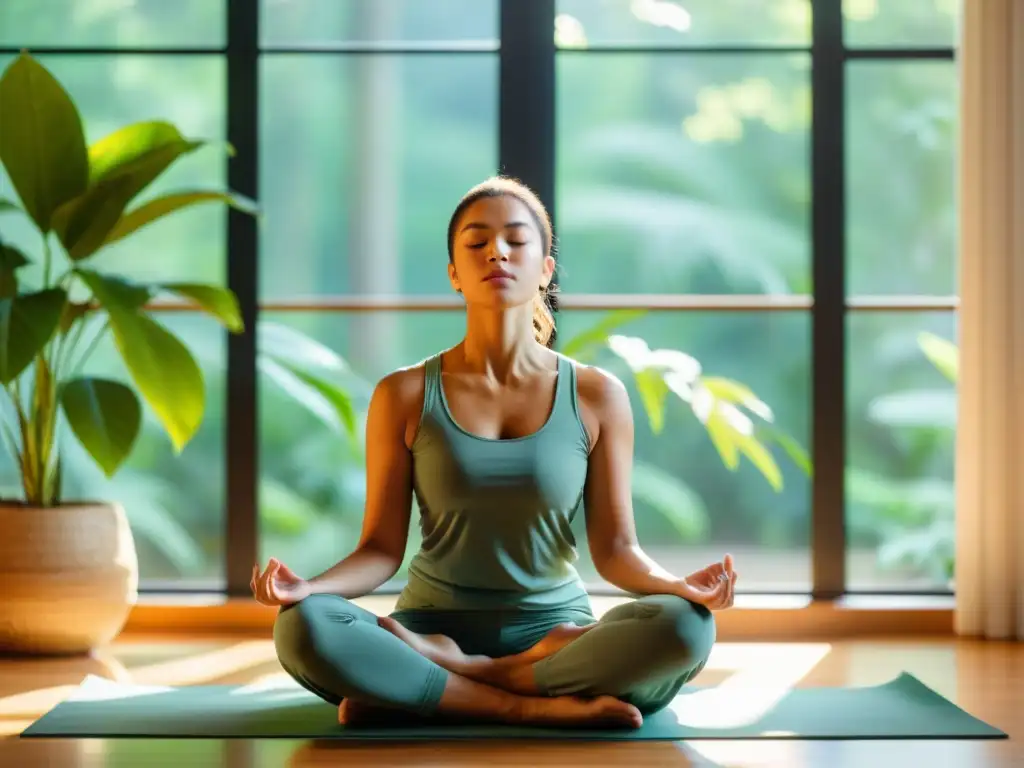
767 187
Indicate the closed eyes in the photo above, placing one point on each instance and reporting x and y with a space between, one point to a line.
477 246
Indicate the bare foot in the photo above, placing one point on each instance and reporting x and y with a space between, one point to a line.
445 652
604 711
553 641
357 713
440 649
509 673
560 711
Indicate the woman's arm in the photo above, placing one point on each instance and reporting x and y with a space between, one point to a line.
611 530
385 532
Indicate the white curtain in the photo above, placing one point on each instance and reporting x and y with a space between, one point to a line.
990 431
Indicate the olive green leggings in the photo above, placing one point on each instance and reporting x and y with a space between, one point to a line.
642 652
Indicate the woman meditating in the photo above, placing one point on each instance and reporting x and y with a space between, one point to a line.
500 439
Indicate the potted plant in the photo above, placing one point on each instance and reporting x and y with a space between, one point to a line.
69 568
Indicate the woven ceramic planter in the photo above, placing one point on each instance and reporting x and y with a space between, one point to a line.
68 577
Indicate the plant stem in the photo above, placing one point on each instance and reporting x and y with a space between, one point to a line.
16 397
9 437
89 349
73 338
47 261
24 429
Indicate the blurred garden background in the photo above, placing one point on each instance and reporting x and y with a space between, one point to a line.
676 173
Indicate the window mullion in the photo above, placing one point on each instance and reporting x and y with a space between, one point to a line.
241 540
828 315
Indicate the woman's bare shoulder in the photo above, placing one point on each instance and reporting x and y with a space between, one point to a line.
398 397
599 388
603 400
403 383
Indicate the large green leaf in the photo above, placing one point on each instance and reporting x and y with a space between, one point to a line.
723 437
105 416
761 458
324 398
289 346
156 209
82 224
732 434
42 142
118 291
219 302
734 392
339 399
161 366
120 167
142 149
653 394
11 260
165 372
27 323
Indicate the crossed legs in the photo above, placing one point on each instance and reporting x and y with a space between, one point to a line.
336 650
641 652
631 663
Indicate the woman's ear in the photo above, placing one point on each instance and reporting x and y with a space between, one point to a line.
453 277
548 273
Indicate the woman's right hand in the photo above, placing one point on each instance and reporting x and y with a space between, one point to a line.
278 585
713 587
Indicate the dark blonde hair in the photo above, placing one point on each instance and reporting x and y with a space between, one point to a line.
500 186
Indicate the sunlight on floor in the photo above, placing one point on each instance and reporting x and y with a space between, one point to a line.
272 682
13 727
763 673
193 669
203 668
763 676
35 702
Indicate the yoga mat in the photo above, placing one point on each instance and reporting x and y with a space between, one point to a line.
903 708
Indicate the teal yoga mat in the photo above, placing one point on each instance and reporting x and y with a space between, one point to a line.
903 708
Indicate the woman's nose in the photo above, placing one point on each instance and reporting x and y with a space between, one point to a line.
500 250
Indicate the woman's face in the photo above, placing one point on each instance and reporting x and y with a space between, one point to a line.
498 254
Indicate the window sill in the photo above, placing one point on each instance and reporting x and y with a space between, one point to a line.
753 618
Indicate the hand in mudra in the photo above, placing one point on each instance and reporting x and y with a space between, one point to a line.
278 585
713 586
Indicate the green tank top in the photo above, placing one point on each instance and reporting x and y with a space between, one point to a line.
495 514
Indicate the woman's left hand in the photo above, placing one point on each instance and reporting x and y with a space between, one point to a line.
712 587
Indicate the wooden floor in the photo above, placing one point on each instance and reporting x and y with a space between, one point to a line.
985 678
